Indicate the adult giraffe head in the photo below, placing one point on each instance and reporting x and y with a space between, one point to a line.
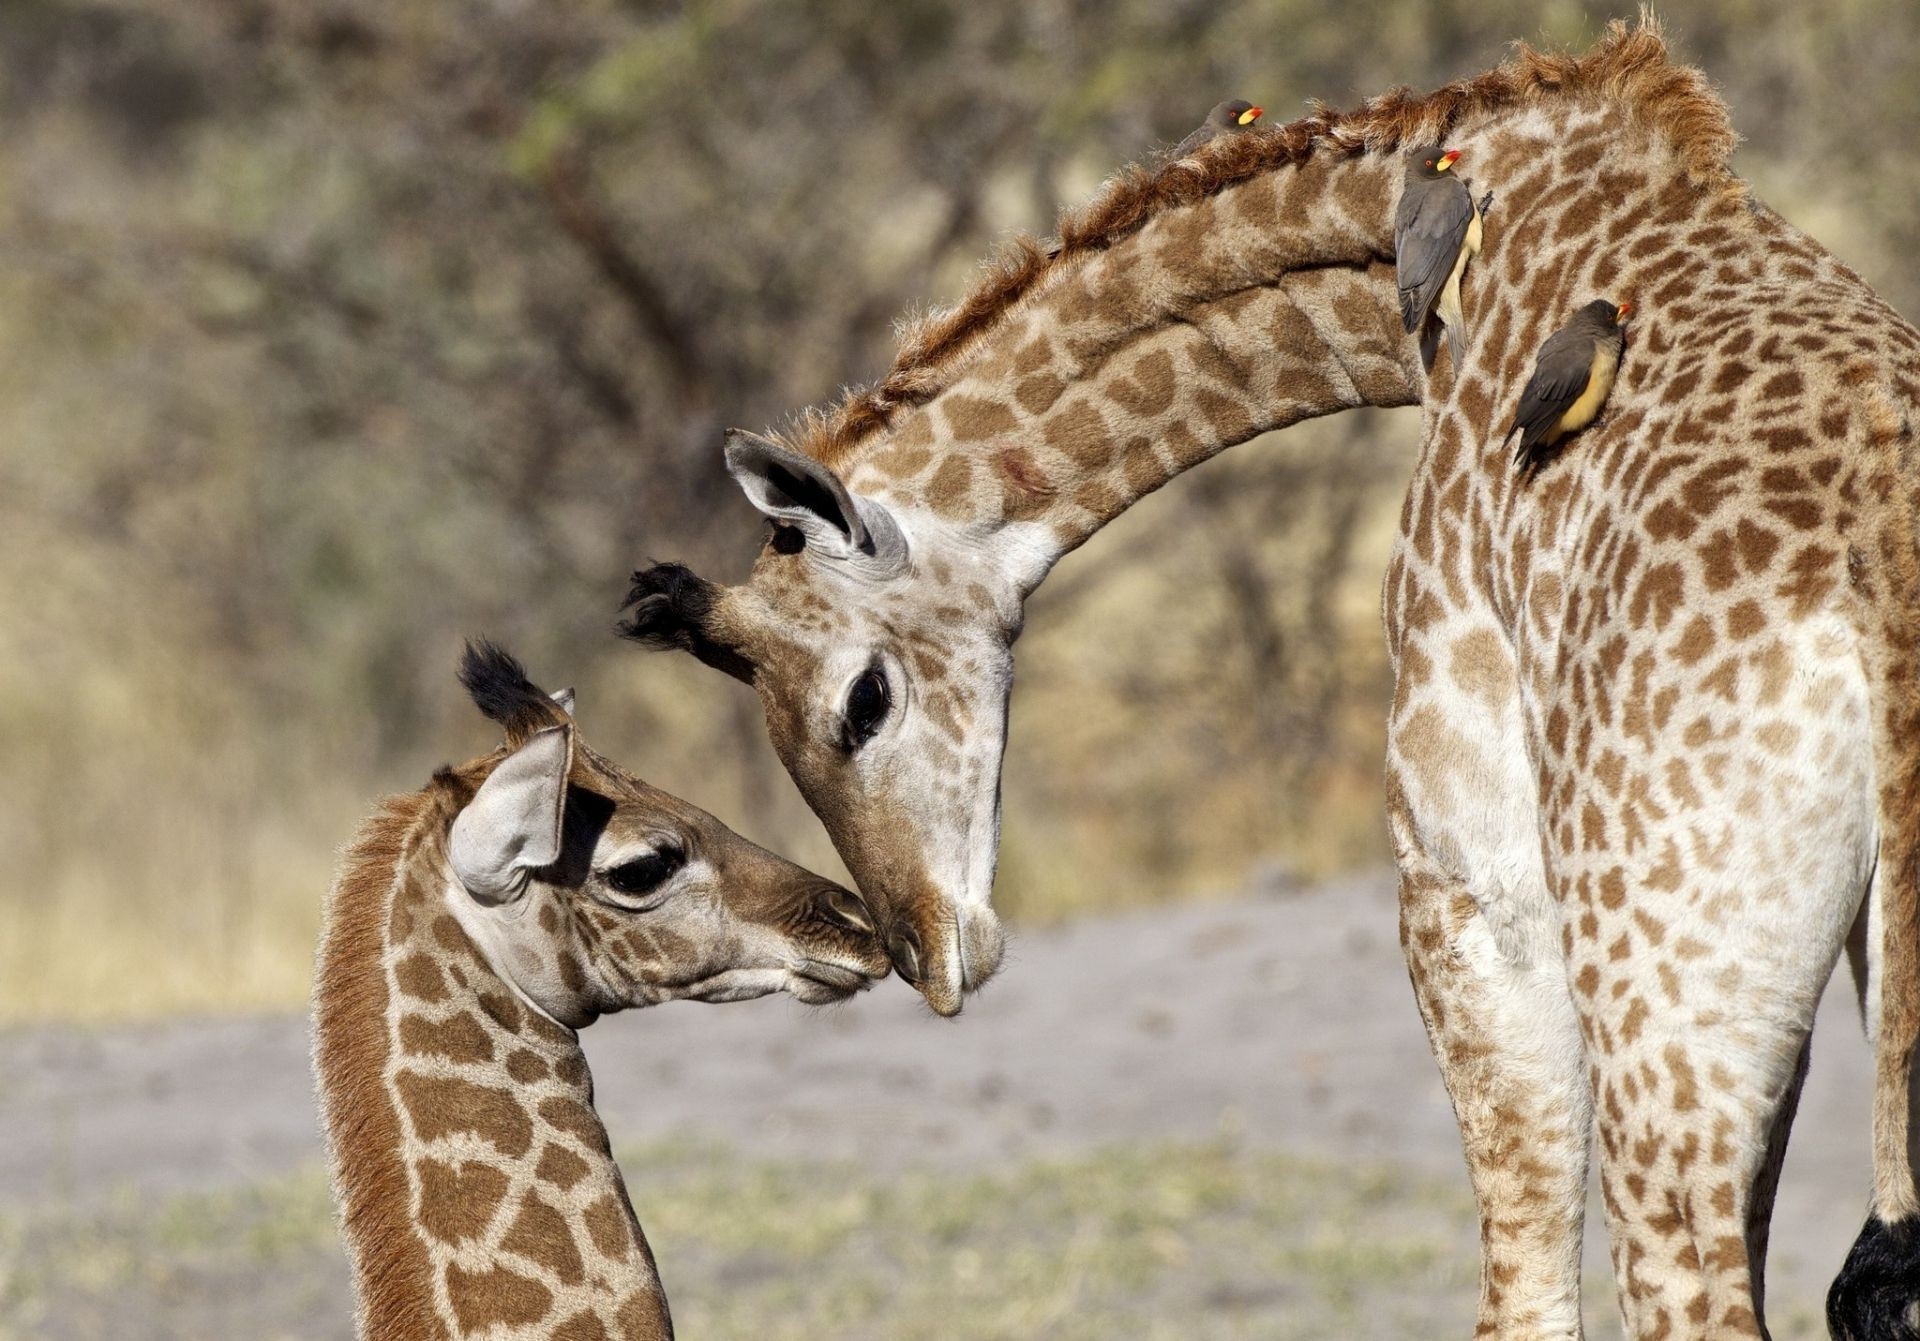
879 637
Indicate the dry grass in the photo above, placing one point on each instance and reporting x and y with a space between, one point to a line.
1203 1240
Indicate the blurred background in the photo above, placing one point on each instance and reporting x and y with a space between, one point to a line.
335 331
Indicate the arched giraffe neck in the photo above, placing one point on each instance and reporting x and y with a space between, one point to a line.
476 1183
1268 303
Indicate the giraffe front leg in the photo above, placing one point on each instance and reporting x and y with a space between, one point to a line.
1504 1032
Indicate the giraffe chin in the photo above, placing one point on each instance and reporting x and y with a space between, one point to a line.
950 955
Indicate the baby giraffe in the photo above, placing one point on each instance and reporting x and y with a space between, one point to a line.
475 927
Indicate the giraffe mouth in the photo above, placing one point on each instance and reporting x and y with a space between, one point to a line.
818 982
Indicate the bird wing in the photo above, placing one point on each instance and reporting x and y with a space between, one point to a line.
1197 137
1429 229
1560 374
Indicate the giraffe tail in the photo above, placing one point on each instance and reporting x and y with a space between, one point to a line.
1876 1296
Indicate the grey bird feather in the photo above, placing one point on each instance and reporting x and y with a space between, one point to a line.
1430 226
1561 373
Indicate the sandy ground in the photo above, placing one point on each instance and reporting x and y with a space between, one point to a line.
1281 1020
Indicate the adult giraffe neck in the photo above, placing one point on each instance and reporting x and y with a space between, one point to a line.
476 1182
1247 310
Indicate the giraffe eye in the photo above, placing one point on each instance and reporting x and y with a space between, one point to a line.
644 875
867 704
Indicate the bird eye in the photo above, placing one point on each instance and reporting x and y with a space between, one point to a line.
867 704
644 875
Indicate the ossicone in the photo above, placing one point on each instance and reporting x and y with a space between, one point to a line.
500 688
671 606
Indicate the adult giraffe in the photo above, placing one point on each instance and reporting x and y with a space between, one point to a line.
1653 750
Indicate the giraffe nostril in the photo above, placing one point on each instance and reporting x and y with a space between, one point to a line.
904 948
844 908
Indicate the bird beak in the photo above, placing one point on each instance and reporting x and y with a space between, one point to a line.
1626 310
1447 159
1251 115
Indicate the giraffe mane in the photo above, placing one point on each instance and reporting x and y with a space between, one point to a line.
350 1048
1629 65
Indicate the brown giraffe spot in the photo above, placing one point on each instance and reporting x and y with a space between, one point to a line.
1660 593
951 486
1613 889
502 1009
1695 641
976 418
1745 619
457 1203
458 1038
560 1166
495 1297
419 977
1634 1021
1077 431
543 1028
1481 668
1686 1090
1037 393
526 1067
609 1225
1148 389
576 1120
636 1318
582 1326
1036 354
1756 544
443 1106
447 932
540 1234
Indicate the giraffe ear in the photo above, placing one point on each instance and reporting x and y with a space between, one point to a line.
795 491
512 825
563 697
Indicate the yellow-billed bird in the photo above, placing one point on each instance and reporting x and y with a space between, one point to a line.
1571 378
1436 231
1227 118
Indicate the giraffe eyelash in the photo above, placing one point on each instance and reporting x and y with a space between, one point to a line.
642 876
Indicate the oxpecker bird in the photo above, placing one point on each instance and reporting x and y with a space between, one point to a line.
1571 379
1436 231
1229 118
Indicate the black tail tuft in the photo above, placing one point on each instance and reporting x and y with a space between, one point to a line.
1876 1296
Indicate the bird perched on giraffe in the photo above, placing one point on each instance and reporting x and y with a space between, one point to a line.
1436 232
1571 378
1227 118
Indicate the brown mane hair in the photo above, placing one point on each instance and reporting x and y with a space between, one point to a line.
1629 65
350 1047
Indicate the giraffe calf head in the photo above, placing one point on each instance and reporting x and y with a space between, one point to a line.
592 891
879 638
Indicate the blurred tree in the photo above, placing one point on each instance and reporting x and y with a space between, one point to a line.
332 331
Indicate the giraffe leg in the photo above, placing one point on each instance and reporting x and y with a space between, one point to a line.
1704 917
1760 1209
1688 1183
1503 1029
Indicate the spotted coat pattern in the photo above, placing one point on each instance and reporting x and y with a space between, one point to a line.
519 1225
1653 749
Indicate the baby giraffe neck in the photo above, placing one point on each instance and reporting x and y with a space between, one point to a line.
479 1194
